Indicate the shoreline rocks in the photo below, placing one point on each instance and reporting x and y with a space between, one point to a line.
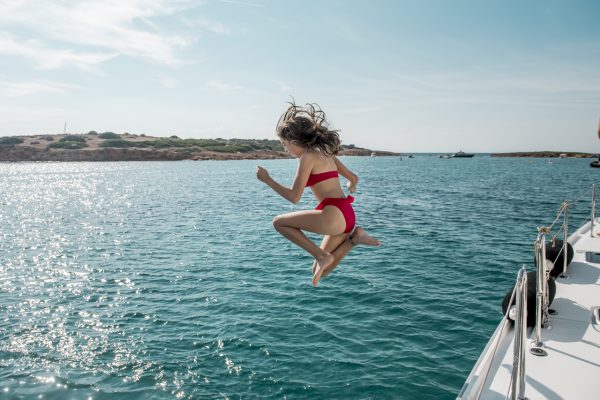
547 154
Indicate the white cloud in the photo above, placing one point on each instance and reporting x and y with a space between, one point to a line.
555 88
47 58
212 26
224 86
11 89
242 3
85 33
168 82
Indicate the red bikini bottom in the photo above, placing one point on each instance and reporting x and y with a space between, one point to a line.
344 206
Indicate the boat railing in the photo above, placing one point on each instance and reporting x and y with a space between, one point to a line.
542 294
518 312
542 297
518 371
566 237
593 210
564 228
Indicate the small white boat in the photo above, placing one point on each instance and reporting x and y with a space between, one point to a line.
559 356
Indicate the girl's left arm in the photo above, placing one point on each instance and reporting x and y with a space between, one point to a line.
346 173
294 194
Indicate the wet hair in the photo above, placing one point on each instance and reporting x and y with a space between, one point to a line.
307 126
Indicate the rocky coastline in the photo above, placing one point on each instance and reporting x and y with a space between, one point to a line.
547 154
127 147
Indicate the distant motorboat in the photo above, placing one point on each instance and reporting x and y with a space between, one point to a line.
411 156
462 154
444 156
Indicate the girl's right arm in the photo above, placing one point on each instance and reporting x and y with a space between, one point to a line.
346 173
294 193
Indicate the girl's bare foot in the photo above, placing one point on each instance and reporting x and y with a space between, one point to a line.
322 264
361 237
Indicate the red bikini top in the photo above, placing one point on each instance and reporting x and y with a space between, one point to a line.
323 176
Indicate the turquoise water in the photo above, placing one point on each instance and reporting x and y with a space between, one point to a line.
160 280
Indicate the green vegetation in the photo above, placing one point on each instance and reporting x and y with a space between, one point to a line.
118 143
176 147
231 149
114 140
10 141
72 138
71 142
217 145
67 145
109 135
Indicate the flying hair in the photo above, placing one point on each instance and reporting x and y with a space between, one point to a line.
307 126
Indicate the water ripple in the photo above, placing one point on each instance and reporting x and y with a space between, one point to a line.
166 280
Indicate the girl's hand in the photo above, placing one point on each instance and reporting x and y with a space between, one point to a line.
351 185
262 174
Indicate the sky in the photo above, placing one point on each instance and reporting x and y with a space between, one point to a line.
404 76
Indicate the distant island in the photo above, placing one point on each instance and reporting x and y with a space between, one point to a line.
110 146
546 154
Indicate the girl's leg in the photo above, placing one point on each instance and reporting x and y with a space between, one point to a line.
339 253
330 244
340 245
328 221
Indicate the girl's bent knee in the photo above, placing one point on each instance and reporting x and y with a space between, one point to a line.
277 222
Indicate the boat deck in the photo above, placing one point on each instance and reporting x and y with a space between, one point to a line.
571 338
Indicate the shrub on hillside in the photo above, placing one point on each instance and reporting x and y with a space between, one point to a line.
161 143
70 145
72 138
202 142
10 141
109 135
241 148
119 143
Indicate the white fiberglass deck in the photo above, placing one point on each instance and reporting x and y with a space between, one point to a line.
571 370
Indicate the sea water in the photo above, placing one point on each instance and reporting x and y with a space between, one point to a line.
166 280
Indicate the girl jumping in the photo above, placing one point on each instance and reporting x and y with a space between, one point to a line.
304 133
